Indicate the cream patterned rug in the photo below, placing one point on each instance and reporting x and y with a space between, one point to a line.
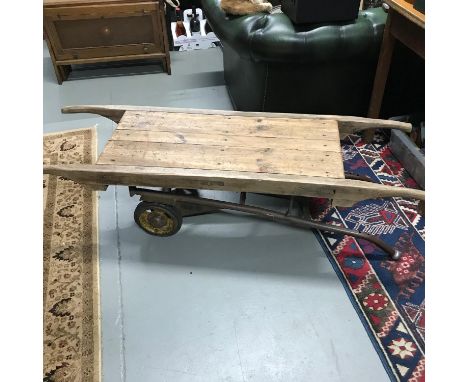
71 265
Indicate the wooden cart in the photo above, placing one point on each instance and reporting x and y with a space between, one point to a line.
182 150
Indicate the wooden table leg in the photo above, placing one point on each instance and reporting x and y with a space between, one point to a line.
380 79
167 59
59 73
64 71
168 63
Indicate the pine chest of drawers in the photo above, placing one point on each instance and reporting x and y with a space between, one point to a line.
92 31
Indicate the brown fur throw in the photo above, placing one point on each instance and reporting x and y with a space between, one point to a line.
245 7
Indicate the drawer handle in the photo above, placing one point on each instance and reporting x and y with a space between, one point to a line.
145 49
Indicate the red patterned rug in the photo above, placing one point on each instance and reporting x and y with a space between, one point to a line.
387 295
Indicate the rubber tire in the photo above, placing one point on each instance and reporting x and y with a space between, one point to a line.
172 211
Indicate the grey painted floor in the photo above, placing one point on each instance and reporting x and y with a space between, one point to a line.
229 298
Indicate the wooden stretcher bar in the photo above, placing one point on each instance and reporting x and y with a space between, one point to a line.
343 192
347 124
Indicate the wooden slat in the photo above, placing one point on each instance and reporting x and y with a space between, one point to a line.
229 141
344 191
346 124
231 125
319 163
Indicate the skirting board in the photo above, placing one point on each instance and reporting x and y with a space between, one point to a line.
409 156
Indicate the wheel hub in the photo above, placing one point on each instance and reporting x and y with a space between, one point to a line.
157 222
157 219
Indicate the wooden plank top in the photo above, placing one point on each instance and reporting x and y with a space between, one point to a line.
217 142
406 9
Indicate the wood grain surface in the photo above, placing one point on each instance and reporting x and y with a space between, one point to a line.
346 124
344 192
406 9
218 142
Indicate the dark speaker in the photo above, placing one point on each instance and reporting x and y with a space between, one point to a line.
320 11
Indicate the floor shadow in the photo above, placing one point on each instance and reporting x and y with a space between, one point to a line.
230 242
115 69
134 68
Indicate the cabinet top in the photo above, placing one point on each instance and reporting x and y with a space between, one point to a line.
66 3
405 8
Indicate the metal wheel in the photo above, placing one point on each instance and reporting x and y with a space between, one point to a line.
396 255
158 219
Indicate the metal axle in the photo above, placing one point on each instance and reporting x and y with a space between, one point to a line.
174 199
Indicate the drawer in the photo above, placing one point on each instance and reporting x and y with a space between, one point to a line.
104 31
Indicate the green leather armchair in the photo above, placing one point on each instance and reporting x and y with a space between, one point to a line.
272 65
